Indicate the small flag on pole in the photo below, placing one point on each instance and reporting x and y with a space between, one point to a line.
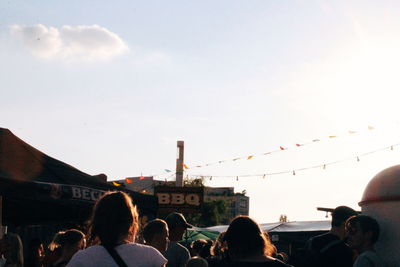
128 180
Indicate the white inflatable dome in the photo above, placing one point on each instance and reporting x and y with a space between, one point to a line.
381 200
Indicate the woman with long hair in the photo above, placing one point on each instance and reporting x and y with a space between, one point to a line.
67 243
247 245
112 233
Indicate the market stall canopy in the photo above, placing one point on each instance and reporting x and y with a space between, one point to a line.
302 226
37 188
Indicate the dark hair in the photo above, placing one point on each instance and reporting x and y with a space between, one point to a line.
152 228
245 238
198 244
66 238
114 217
341 214
367 224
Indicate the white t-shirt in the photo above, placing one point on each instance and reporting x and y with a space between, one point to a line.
134 255
368 259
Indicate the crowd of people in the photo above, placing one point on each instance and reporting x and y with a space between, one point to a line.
113 232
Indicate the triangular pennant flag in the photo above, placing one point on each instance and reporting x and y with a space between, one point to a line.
282 148
128 180
185 166
116 184
298 144
249 157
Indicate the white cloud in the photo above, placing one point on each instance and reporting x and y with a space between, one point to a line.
70 42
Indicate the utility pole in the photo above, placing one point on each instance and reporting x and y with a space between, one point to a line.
179 164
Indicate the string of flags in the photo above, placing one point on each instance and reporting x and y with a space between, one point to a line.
296 171
281 148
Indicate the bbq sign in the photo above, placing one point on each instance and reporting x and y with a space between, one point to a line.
184 199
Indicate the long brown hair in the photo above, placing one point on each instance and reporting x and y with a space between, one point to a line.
244 238
114 219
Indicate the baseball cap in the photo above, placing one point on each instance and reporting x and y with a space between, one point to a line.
177 219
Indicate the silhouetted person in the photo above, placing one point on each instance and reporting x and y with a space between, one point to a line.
329 250
35 254
11 250
155 234
246 246
197 262
362 233
176 254
196 247
68 243
113 229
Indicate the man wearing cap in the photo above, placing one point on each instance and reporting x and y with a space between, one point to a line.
176 254
329 250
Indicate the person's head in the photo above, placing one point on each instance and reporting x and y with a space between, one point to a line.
362 232
196 246
177 225
197 262
155 234
114 219
340 215
68 242
205 252
244 238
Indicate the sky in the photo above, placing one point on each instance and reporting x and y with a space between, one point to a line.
110 87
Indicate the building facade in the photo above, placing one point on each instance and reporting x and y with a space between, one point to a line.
236 203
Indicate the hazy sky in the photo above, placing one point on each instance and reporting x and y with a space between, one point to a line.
110 86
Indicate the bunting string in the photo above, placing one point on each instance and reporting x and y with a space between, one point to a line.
281 148
295 171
